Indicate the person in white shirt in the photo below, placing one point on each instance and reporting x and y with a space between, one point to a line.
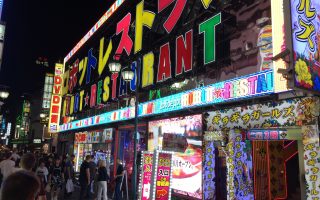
42 172
7 166
15 156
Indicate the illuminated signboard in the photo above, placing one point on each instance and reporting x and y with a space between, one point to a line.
105 118
187 165
8 133
94 29
249 86
2 32
162 176
36 141
244 87
55 107
267 134
306 43
47 91
1 5
278 44
88 80
146 175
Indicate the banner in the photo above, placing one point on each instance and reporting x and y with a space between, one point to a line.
146 175
291 112
163 176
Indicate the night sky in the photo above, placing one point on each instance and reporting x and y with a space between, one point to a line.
42 28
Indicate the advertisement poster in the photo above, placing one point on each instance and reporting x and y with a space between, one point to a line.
163 176
305 20
187 164
145 182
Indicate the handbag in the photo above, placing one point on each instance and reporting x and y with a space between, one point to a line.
69 186
48 188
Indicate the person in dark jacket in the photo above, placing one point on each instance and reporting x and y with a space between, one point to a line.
84 178
103 178
118 177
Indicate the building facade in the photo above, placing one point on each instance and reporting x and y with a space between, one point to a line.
224 93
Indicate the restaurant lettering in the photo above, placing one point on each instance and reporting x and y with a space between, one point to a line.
88 81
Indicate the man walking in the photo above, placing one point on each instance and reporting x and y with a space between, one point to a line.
84 178
120 172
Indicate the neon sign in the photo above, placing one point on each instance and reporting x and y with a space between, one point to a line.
89 83
94 29
56 99
254 85
105 118
266 134
249 86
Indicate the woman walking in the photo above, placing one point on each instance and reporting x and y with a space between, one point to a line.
56 178
42 173
102 179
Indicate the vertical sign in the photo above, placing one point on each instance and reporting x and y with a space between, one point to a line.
146 175
306 43
1 5
55 107
163 176
278 44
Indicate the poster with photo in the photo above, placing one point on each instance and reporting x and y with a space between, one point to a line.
187 164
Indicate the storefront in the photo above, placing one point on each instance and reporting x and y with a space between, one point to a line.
262 151
223 110
97 143
183 136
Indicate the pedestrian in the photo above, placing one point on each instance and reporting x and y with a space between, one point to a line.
21 185
49 162
42 173
84 178
69 172
93 172
7 165
103 178
15 156
28 161
119 176
56 177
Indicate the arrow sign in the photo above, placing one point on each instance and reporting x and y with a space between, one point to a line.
161 193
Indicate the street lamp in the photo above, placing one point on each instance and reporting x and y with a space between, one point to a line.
114 66
128 75
4 94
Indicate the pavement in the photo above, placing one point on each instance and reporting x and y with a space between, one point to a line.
74 196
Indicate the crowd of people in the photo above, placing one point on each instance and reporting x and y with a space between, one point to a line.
32 176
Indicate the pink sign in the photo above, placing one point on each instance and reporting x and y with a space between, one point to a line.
163 176
146 176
